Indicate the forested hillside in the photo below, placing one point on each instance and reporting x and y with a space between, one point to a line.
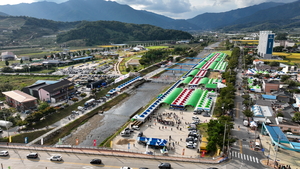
103 32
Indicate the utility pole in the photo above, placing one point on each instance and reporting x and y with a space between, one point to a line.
6 125
276 149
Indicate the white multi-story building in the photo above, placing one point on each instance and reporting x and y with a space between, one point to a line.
265 44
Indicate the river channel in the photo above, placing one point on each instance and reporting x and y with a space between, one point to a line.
118 115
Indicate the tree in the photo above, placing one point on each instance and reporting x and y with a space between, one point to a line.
296 117
43 106
21 61
267 76
278 48
248 113
6 63
284 78
30 60
281 36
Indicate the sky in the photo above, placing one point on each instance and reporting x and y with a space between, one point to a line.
176 9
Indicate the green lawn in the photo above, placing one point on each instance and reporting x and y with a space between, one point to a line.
228 52
20 138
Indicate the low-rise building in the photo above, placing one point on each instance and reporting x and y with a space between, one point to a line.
270 86
56 92
20 100
8 56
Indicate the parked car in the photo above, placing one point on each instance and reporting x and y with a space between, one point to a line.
125 133
32 155
140 134
164 166
195 118
128 129
56 158
191 146
4 153
135 127
96 161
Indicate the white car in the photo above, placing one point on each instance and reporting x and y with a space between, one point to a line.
56 158
195 118
125 168
135 127
4 153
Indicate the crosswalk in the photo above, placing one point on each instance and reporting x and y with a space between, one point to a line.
244 157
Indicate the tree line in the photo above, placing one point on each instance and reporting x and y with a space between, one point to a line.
104 32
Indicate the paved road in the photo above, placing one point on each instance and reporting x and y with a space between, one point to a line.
241 150
17 160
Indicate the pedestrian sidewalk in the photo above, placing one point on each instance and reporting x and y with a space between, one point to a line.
283 157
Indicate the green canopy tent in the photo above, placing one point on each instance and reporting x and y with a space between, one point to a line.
193 100
172 96
204 80
194 72
211 86
187 80
212 65
200 65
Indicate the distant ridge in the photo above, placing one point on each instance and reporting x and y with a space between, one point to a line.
262 16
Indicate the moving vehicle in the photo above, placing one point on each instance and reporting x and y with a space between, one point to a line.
56 158
125 168
257 146
32 155
245 122
4 153
96 161
164 166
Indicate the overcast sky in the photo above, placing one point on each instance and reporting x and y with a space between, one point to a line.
176 9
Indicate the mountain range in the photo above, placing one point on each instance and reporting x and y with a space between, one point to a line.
268 15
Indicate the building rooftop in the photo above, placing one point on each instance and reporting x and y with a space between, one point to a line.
19 96
56 86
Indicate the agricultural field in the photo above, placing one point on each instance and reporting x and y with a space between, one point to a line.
247 41
157 47
289 57
18 81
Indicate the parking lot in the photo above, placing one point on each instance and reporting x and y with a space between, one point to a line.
172 125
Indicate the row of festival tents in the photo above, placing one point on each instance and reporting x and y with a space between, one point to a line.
155 104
